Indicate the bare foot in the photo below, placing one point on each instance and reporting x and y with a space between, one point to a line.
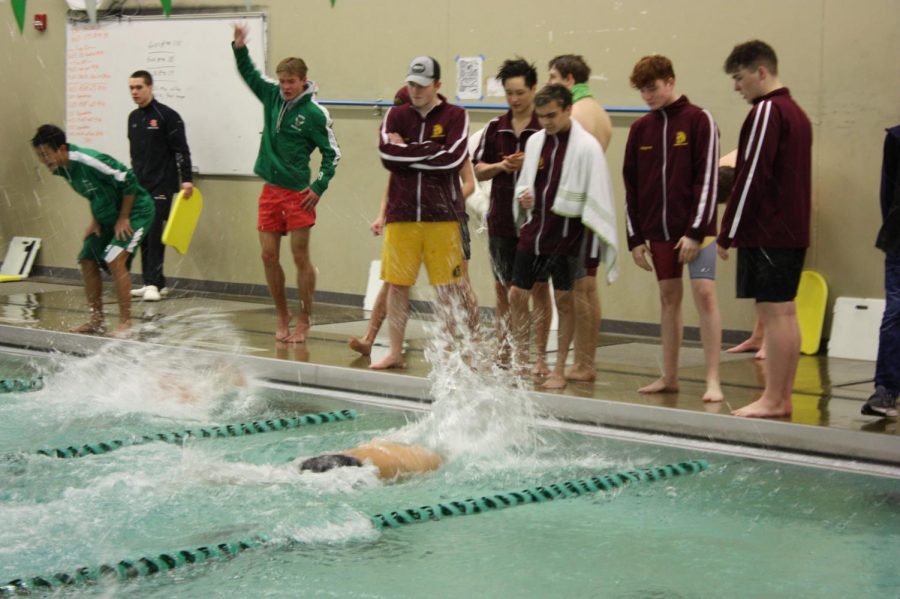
659 386
554 381
581 373
503 359
360 345
751 344
521 370
540 367
520 365
713 392
91 327
389 361
122 329
282 327
765 408
761 354
299 333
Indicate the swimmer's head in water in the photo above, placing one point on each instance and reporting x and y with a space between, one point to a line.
324 463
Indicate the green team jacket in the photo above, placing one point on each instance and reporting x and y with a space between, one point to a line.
292 131
104 181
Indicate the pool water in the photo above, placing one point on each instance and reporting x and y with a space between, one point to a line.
744 528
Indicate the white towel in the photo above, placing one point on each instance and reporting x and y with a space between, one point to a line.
585 191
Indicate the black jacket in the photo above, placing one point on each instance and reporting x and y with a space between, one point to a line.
889 235
159 152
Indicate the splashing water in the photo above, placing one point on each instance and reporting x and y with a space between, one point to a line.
480 411
172 380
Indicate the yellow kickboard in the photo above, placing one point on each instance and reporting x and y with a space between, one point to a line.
8 278
183 220
812 296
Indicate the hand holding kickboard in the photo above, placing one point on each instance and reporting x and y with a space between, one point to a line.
183 220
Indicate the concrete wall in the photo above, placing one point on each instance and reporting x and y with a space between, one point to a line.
838 58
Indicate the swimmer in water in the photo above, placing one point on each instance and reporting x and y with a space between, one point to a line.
393 460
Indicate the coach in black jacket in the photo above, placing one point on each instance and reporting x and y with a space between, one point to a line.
162 162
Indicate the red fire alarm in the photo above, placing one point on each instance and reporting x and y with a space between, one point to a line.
40 22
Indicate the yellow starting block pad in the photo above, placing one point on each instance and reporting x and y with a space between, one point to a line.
183 220
812 296
10 278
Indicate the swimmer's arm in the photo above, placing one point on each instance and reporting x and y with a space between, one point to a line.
122 227
594 118
396 461
485 172
377 226
468 178
704 158
260 87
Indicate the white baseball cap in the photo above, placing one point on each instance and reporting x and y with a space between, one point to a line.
423 70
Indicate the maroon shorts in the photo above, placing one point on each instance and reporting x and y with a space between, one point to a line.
281 210
667 266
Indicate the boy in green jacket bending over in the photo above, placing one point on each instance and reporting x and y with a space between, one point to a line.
121 214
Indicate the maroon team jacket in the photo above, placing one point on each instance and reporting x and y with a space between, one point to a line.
546 233
424 184
498 141
671 174
770 202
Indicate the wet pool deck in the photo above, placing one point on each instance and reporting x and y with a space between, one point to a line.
828 392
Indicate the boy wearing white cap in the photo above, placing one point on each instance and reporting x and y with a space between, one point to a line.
422 144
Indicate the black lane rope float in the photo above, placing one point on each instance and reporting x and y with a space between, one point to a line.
163 562
225 430
540 494
18 385
137 568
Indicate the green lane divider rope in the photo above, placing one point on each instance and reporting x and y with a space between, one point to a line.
541 494
226 430
136 568
21 385
163 562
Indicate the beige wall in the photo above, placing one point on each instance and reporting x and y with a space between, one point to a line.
838 58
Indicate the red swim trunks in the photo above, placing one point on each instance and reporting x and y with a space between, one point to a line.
281 210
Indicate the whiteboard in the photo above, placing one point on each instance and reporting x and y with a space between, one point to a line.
194 73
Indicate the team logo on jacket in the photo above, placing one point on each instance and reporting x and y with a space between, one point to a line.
298 122
154 124
680 138
437 130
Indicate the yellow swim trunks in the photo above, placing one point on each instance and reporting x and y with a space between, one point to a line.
407 245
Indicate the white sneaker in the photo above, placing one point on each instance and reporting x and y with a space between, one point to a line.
139 292
151 294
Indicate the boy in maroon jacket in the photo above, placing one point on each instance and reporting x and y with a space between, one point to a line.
422 144
767 216
499 159
671 173
550 240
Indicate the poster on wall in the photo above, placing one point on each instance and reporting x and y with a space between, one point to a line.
469 77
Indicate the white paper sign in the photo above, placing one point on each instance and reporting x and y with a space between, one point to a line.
469 77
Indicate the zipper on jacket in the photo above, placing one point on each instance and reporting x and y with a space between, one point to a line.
515 179
280 116
665 156
537 238
419 178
